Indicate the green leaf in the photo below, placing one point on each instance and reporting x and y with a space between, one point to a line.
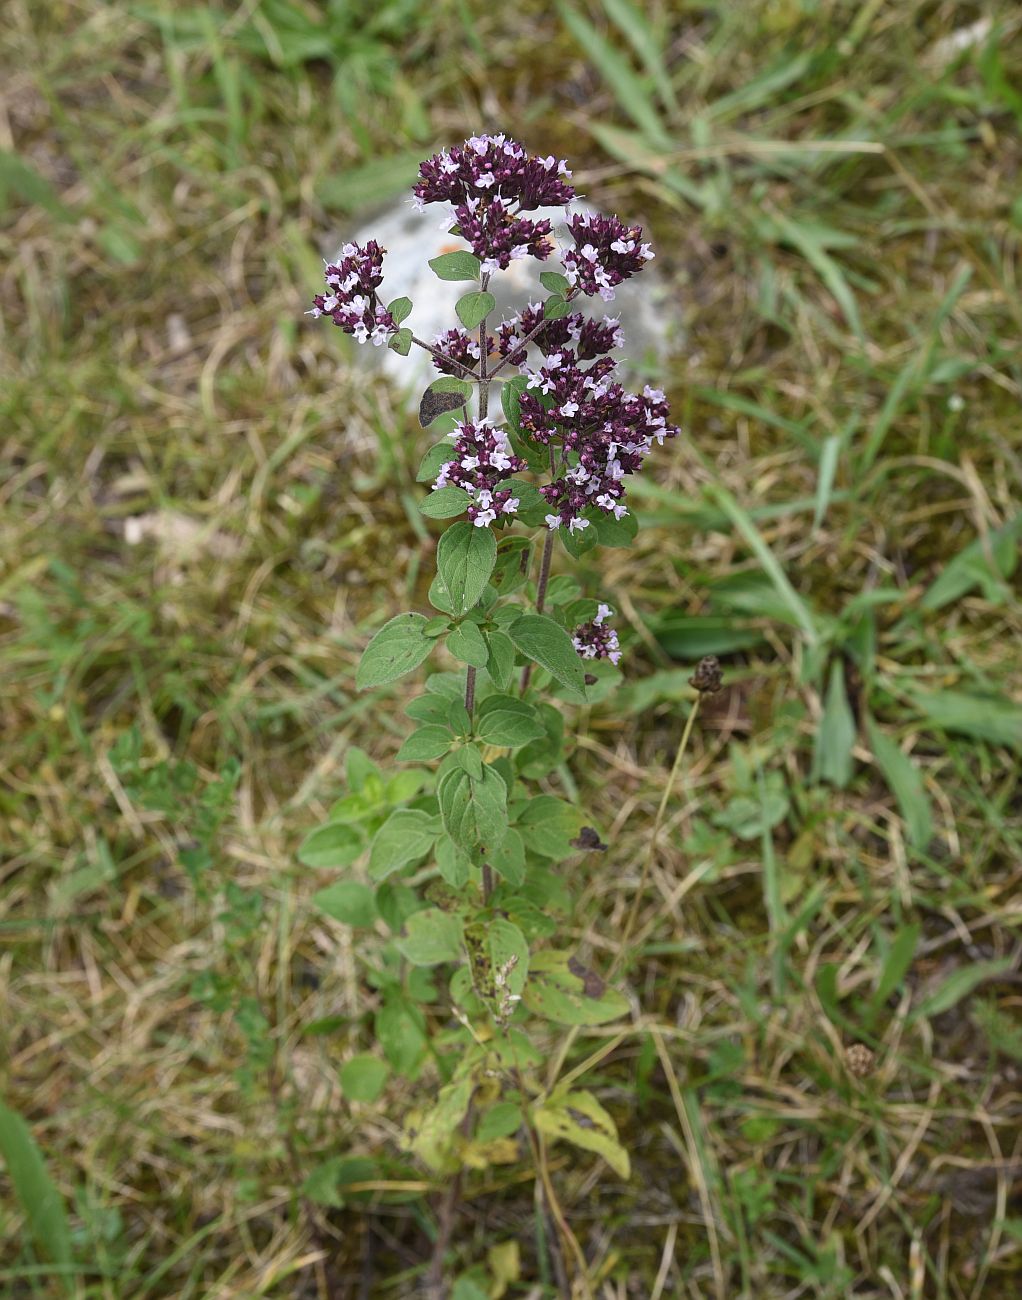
40 1200
578 1118
452 862
397 648
959 985
465 558
363 1077
401 1032
896 966
548 825
615 532
433 461
474 812
445 503
436 401
501 1120
510 395
348 901
434 1130
400 308
508 858
406 835
473 308
627 86
556 307
498 956
425 743
984 717
986 563
428 708
832 757
333 845
505 720
471 760
555 282
545 642
326 1182
501 662
430 937
456 266
468 644
401 342
906 783
17 177
541 756
561 989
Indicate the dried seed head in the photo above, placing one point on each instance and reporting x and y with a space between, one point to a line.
707 678
859 1060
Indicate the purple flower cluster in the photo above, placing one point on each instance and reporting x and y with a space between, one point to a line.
587 338
482 459
459 347
489 181
606 252
605 434
350 300
596 641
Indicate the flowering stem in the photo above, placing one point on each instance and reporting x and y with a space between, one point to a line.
447 361
520 349
470 690
544 577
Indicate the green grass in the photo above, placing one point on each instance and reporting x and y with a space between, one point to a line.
204 515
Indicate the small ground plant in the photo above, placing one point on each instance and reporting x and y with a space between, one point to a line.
467 843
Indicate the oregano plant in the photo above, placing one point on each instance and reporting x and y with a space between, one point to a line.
463 854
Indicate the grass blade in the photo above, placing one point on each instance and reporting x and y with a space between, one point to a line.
618 74
983 717
812 249
39 1197
633 26
768 561
830 452
902 776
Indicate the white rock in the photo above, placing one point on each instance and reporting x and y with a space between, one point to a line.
643 303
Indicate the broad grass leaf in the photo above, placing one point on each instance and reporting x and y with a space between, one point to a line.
373 183
986 563
40 1200
959 984
627 86
896 966
397 648
835 736
983 717
906 784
